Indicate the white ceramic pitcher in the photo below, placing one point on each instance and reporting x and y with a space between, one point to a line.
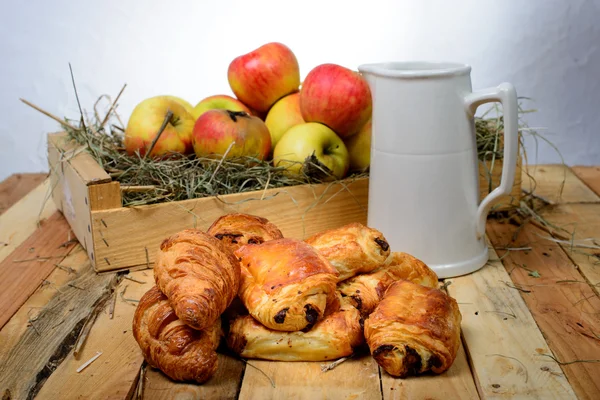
424 187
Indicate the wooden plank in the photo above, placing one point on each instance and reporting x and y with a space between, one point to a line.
223 385
561 302
557 184
129 236
16 186
456 383
356 378
35 354
104 196
114 374
502 338
583 247
28 266
590 176
489 179
21 220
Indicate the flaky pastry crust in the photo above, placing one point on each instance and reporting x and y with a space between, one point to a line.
198 274
182 353
237 229
414 329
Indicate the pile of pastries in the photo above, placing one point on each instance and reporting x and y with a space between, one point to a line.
275 298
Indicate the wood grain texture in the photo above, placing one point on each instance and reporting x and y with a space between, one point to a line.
21 220
24 270
503 340
356 378
562 303
114 374
130 236
456 383
557 184
590 176
223 385
35 354
583 221
16 186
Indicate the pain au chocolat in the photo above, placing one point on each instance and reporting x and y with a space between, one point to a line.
237 229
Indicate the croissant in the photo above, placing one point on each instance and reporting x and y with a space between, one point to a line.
182 353
333 337
366 290
238 229
414 329
198 274
351 249
285 283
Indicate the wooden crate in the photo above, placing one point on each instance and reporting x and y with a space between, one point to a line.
117 237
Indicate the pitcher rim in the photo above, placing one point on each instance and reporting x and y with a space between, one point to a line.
415 69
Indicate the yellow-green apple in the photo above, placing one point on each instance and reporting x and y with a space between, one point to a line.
310 147
337 97
263 76
188 107
359 148
145 123
217 131
283 115
219 102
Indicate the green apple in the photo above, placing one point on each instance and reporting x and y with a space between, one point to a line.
219 102
283 115
359 148
188 107
312 146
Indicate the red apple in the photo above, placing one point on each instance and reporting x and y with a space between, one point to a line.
219 102
337 97
264 75
283 115
216 130
145 122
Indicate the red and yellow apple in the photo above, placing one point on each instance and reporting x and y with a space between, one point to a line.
283 115
145 123
337 97
359 148
219 102
315 143
188 107
232 134
263 76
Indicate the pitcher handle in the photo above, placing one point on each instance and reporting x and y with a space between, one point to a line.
507 95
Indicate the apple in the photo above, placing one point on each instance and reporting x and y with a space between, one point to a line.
216 130
145 122
219 102
188 107
316 144
337 97
359 148
283 115
263 76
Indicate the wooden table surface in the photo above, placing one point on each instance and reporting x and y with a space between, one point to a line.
531 316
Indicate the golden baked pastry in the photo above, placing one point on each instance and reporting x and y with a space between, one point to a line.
182 353
414 329
366 290
333 337
198 274
352 249
285 283
239 229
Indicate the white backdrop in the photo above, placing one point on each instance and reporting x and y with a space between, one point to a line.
548 49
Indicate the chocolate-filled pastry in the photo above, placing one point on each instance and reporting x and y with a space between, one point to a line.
366 290
238 229
352 249
182 353
414 329
333 337
285 283
199 275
